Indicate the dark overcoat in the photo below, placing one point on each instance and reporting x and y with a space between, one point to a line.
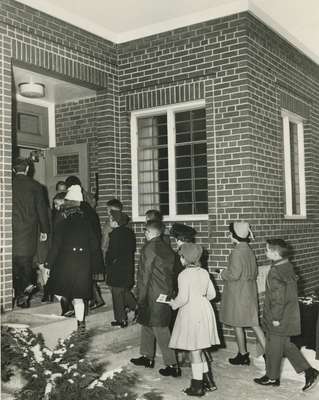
29 215
155 277
281 300
74 255
120 257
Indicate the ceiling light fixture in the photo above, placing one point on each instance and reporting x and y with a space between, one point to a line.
32 89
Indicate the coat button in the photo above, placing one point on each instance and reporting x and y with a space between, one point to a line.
80 249
74 248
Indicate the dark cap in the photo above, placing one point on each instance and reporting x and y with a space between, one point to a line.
119 217
183 232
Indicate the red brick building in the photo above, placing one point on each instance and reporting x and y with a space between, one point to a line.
211 122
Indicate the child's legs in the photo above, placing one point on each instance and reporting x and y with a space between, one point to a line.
118 303
274 354
163 336
260 336
147 345
240 337
295 356
197 364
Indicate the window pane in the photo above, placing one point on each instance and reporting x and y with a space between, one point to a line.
153 164
191 162
294 158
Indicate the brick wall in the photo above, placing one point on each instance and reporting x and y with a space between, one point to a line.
37 41
237 64
5 173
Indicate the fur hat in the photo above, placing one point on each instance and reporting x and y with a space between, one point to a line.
74 193
241 229
119 217
192 253
183 232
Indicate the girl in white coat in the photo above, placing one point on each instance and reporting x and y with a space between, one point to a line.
195 326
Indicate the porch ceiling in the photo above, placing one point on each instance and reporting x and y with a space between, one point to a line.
124 20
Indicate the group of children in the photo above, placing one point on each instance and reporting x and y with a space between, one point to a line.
188 288
195 328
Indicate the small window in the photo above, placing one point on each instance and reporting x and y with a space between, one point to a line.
169 161
294 165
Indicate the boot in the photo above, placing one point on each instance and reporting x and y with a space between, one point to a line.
312 379
82 330
208 382
97 300
195 389
240 359
65 306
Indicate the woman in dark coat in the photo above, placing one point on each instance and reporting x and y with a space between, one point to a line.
120 267
75 255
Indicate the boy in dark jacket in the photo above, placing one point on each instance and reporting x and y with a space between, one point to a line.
120 267
281 318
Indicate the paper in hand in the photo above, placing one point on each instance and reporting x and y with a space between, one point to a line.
162 298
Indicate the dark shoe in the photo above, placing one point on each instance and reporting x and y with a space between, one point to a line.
94 306
265 381
69 314
195 389
208 382
82 333
311 376
122 324
25 304
143 362
171 370
240 359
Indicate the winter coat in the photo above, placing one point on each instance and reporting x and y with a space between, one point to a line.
29 215
195 326
155 277
120 257
74 255
239 304
281 300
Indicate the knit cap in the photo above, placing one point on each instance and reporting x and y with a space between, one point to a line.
74 193
191 252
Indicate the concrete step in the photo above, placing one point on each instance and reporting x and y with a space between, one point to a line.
46 319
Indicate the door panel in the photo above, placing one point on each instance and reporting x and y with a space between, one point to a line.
64 161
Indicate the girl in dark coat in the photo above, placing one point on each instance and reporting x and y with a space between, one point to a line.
120 267
74 255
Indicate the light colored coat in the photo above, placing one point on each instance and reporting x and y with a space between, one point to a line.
239 305
195 326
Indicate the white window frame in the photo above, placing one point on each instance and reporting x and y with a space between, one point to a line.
170 110
288 117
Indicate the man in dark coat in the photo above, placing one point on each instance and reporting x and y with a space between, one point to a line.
155 277
120 267
29 217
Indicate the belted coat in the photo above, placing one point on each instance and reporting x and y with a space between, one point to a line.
155 277
74 256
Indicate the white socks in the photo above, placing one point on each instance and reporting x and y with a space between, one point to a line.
78 309
197 371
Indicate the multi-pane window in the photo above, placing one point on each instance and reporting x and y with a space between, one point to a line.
294 165
169 160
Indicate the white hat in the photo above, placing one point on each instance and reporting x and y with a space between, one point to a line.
242 229
74 193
